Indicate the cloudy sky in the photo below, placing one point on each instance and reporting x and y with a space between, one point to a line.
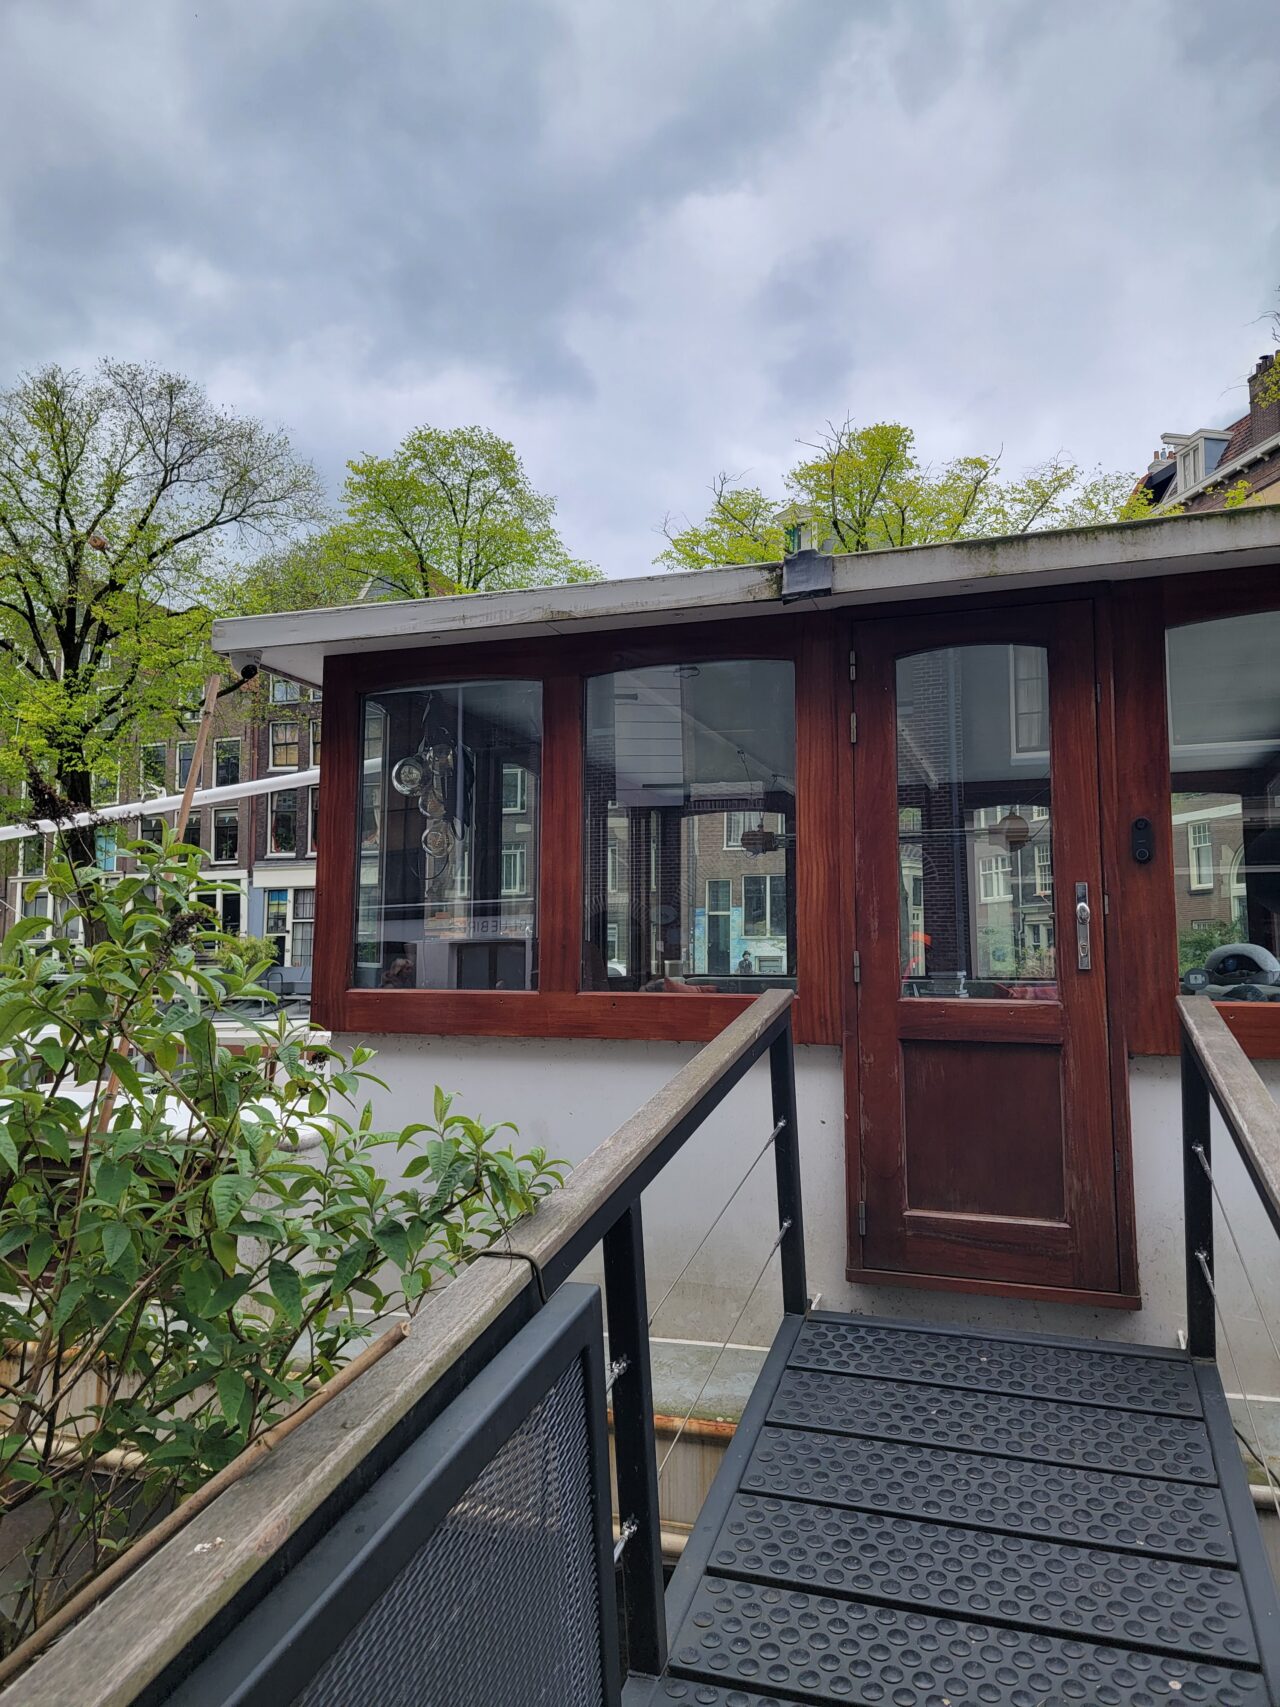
652 241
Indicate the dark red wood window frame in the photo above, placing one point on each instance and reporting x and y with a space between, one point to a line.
1140 612
559 1007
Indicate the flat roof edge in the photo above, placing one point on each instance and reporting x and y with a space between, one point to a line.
296 642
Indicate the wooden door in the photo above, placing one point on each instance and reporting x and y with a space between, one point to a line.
987 1150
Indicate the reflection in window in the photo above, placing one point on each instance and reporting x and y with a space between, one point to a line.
282 823
448 834
226 761
975 851
1224 750
226 835
690 828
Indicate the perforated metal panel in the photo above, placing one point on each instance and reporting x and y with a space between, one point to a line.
500 1605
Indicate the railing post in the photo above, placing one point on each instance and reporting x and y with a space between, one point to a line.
786 1157
635 1453
1197 1205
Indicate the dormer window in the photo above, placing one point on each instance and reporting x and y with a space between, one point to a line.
1190 466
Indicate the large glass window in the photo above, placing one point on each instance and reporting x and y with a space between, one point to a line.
282 822
1224 752
154 768
975 849
226 835
690 828
284 746
448 837
304 927
186 758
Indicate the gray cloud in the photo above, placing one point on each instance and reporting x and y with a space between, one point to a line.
650 242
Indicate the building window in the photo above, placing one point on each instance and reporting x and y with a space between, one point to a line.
284 746
151 830
191 835
104 848
31 856
105 786
226 835
994 875
1200 855
1029 672
313 819
186 758
282 822
764 905
302 939
284 692
1044 869
1224 753
155 769
689 773
447 882
226 761
276 921
515 868
314 730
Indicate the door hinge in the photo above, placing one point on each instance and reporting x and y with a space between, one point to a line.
862 1219
857 967
853 666
853 728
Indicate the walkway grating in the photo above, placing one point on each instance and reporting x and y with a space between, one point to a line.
918 1518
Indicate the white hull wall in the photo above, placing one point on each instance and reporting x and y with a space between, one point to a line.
567 1095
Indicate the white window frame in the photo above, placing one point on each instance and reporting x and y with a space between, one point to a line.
284 692
226 741
274 852
291 764
189 748
613 865
308 917
771 926
313 804
522 788
1044 868
518 853
224 812
1017 751
734 825
1200 872
719 912
995 878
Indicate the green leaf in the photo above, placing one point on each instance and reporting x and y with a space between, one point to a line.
233 1394
111 1178
225 1249
38 1253
71 1295
127 1074
393 1241
8 1150
286 1289
117 1239
228 1194
346 1268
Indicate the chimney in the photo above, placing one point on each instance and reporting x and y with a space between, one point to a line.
1264 399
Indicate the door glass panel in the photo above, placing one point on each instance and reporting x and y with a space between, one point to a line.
975 849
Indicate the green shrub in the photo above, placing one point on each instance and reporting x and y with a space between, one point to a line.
181 1264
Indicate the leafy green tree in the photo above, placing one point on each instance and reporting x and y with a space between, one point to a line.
743 525
121 495
450 511
866 489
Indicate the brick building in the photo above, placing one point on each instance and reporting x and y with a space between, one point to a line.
1215 468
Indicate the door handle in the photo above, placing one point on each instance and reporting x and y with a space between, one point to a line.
1084 917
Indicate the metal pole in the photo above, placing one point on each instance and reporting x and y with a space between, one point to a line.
786 1157
635 1453
1197 1198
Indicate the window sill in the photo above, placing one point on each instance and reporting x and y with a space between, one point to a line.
653 1017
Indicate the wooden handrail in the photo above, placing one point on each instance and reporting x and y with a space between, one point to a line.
1247 1108
127 1641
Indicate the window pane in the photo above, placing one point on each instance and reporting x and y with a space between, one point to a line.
282 829
284 746
1224 750
448 837
154 768
226 762
226 835
186 757
975 854
283 692
277 910
690 827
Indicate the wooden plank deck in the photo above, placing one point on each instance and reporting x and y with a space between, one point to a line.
919 1517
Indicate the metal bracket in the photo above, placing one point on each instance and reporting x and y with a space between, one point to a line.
807 574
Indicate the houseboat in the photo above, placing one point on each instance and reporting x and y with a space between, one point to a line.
986 807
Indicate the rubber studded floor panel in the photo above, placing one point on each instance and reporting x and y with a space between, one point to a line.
1000 1366
1047 1501
940 1520
814 1648
1072 1591
1041 1430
